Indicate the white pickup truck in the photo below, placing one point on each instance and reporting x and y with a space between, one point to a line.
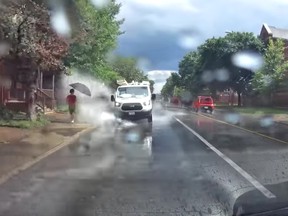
133 101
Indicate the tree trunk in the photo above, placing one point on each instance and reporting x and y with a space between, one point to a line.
271 98
31 102
214 94
239 99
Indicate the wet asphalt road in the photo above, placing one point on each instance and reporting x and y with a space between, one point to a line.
162 169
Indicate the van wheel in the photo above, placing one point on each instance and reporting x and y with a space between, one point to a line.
150 119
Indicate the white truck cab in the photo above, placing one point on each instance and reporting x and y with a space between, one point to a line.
133 101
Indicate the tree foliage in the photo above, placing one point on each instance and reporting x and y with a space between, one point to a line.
211 65
99 32
190 72
269 78
25 27
127 68
169 87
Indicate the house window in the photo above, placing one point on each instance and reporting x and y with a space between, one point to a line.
47 82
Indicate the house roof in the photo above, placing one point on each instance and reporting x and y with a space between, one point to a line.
276 32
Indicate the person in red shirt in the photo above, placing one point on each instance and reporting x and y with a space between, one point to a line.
71 101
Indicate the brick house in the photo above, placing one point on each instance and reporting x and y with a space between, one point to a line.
13 88
271 32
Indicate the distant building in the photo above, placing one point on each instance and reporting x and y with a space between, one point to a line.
271 32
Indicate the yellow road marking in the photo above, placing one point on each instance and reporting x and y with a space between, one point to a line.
241 128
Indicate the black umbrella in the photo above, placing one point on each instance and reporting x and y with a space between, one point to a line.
81 88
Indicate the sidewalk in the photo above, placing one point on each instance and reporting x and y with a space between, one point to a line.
21 147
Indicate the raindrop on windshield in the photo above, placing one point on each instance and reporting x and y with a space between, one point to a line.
232 118
60 23
111 57
143 64
222 75
99 3
267 80
189 39
266 121
4 48
133 136
207 76
248 60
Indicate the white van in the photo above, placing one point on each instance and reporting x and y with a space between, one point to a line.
133 101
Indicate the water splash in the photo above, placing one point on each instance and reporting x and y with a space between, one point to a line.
147 146
96 109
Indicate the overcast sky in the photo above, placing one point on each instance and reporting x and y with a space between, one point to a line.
161 32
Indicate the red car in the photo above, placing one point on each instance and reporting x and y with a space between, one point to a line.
203 103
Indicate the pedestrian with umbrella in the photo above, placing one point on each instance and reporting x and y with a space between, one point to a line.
71 101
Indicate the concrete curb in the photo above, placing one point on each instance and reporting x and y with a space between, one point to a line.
49 152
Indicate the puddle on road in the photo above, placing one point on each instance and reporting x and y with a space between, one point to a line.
97 153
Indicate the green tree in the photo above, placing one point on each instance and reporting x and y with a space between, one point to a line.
172 82
168 88
178 91
200 69
99 30
127 68
270 77
190 73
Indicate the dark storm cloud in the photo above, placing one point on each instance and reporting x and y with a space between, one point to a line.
160 49
154 27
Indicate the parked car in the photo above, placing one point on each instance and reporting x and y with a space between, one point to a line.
203 103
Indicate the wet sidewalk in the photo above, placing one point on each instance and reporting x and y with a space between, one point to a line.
21 146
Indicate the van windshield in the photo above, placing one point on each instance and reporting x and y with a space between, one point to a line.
133 91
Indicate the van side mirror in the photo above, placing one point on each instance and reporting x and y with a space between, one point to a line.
112 98
153 96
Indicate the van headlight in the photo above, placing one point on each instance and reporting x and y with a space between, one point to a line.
117 104
147 103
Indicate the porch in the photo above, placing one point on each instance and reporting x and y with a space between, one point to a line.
14 94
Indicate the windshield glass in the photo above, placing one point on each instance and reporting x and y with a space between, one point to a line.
206 100
171 107
132 91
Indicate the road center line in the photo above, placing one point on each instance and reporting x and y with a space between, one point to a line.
242 172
